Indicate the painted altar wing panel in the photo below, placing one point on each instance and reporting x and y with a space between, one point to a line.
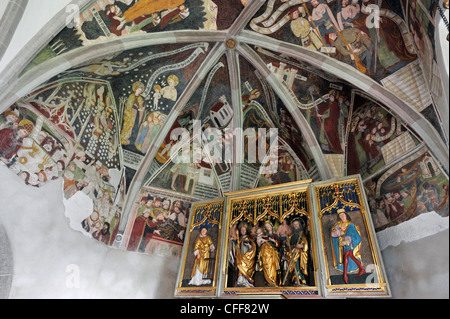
198 274
352 264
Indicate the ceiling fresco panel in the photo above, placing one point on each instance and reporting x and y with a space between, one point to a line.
110 19
263 109
99 125
32 147
208 111
342 30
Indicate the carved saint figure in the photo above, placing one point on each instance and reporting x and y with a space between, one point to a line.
202 248
297 254
269 259
245 257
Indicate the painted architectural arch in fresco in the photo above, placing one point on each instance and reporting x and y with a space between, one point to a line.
263 109
183 162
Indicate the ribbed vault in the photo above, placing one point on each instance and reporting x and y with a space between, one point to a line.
259 79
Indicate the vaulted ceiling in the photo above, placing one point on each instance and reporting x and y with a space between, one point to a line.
104 95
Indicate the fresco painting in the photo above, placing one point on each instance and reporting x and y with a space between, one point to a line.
93 125
324 100
209 108
263 109
109 19
376 138
287 169
414 186
200 267
32 147
341 29
195 178
86 111
157 223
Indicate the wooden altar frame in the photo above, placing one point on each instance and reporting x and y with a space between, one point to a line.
324 284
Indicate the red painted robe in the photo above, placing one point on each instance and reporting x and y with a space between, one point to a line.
330 125
10 143
143 227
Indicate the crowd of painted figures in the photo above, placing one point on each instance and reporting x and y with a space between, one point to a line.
346 30
29 150
158 217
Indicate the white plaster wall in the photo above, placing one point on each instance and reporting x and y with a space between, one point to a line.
419 269
36 15
48 254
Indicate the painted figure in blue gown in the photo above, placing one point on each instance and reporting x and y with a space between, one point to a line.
346 246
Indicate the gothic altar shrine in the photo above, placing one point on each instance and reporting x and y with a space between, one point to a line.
298 240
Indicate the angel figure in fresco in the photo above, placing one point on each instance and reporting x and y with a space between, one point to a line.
103 69
169 91
297 255
269 258
133 106
245 253
346 246
203 248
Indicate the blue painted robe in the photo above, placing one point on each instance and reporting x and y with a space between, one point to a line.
351 234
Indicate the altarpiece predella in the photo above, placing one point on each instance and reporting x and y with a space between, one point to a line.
296 240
